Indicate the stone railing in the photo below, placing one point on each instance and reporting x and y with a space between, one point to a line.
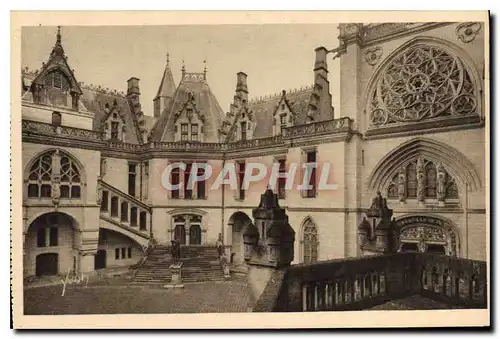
323 127
256 143
329 126
119 207
360 283
187 146
35 127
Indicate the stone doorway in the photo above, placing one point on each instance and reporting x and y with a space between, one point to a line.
426 234
195 235
47 264
237 226
100 260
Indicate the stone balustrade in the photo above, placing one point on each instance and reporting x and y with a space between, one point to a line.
341 125
125 210
361 283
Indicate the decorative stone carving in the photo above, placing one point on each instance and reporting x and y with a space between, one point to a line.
441 183
467 31
56 189
422 82
420 179
373 55
99 194
402 184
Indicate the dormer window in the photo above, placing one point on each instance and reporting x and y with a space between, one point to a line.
283 121
184 132
114 130
243 130
194 132
57 80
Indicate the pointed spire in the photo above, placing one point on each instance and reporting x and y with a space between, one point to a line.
58 41
183 69
57 50
205 69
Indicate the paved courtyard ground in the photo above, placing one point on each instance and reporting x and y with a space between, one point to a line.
231 296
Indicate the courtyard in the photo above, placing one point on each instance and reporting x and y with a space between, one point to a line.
120 297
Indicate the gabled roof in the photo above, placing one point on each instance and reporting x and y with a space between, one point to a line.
195 85
264 109
58 60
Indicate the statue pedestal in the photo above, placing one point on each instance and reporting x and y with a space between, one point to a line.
176 280
227 273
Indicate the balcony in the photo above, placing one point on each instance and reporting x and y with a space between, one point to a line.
363 283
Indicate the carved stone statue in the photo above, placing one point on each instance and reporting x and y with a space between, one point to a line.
220 246
401 184
420 180
441 182
99 194
56 189
176 251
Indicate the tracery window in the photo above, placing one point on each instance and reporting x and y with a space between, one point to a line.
310 242
437 183
54 170
422 82
431 176
70 179
411 180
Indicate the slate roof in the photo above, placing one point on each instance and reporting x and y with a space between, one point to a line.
206 102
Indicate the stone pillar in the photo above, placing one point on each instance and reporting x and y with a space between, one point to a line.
87 262
269 244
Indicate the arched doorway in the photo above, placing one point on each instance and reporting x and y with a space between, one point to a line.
180 234
426 234
100 260
47 264
237 225
195 235
309 242
50 244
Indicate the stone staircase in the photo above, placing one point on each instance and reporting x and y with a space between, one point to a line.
199 263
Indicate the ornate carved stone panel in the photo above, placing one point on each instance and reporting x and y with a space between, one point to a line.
467 31
422 82
373 55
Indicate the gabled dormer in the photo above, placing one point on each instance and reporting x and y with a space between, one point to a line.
244 125
239 123
114 124
283 115
55 84
189 122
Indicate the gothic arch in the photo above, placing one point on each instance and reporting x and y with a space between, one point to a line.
309 241
80 166
469 70
440 230
455 162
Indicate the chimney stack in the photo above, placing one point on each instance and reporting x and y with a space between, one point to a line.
133 86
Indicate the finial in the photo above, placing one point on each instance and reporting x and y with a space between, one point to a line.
205 68
168 59
183 69
58 41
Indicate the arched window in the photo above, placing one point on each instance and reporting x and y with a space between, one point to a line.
40 178
310 242
70 179
54 168
430 173
411 180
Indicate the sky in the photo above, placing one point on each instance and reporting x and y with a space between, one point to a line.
275 57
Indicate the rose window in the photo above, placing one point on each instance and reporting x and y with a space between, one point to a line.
421 83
